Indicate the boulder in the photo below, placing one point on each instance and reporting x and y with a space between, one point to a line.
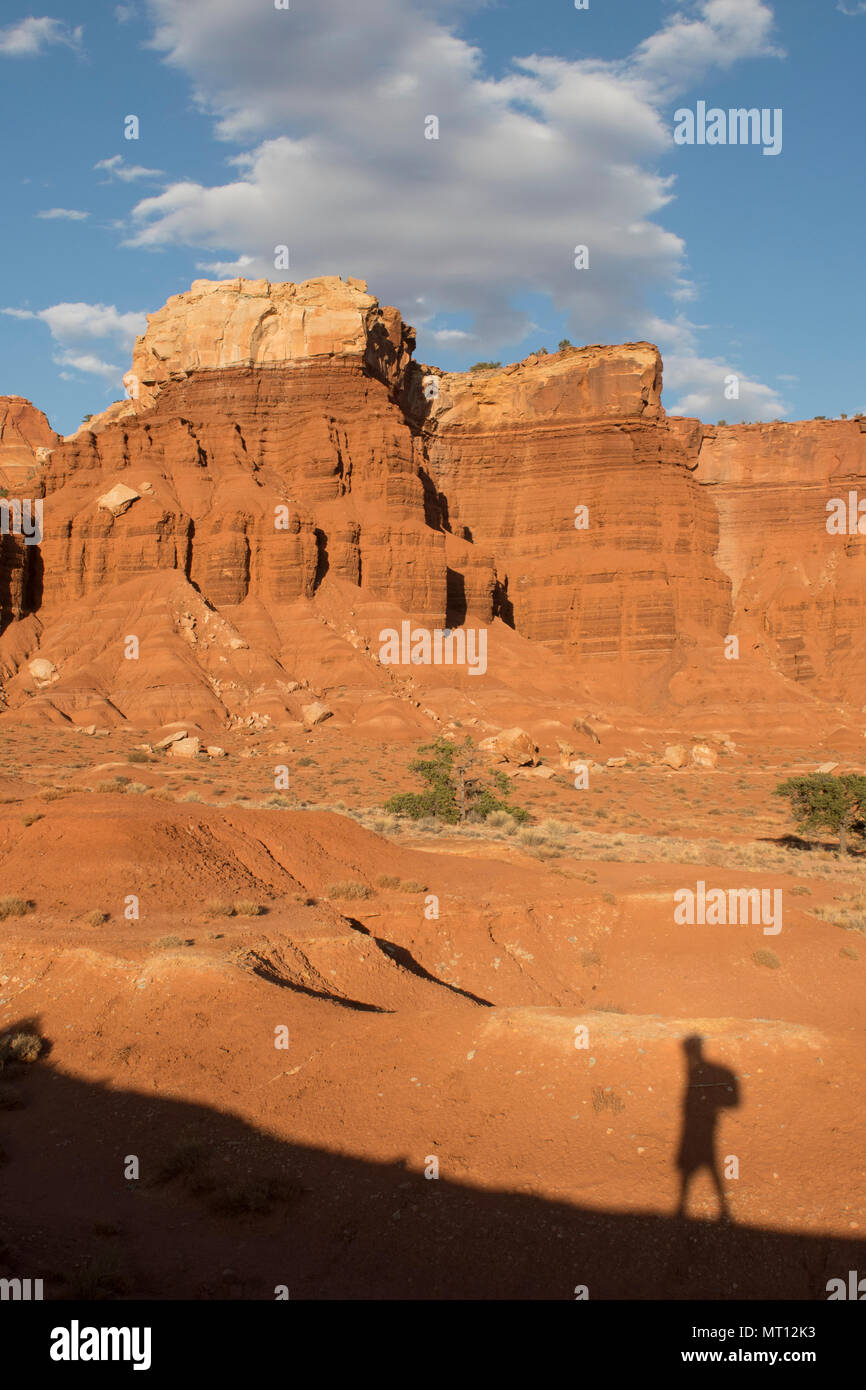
171 738
42 670
119 499
184 748
514 745
675 755
704 756
315 713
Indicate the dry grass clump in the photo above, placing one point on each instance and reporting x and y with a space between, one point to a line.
217 908
244 907
32 817
767 958
96 919
13 907
350 890
606 1099
849 913
19 1047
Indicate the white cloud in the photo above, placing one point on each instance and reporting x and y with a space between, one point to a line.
128 173
330 103
451 335
87 362
719 34
227 270
859 7
30 37
703 382
74 327
124 13
700 383
74 323
62 214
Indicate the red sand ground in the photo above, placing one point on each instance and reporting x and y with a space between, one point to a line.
412 1039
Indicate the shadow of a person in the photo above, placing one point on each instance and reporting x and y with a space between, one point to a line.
709 1089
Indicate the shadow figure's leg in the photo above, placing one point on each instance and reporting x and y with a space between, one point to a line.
684 1188
724 1210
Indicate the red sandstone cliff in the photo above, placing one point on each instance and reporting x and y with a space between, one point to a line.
290 481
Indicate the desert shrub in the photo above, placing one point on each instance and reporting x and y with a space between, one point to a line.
187 1157
19 1047
31 817
244 907
96 919
484 366
138 755
766 958
411 885
167 943
350 889
13 907
605 1099
387 881
848 914
217 908
531 835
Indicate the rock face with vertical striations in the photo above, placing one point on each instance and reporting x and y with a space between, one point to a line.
564 466
26 439
798 590
26 443
285 481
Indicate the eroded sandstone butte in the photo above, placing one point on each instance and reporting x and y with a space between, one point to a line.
292 480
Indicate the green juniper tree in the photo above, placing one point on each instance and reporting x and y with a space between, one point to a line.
820 801
458 786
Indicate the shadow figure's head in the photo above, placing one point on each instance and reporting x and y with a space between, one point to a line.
693 1046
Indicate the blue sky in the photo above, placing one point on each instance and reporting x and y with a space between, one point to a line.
305 127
